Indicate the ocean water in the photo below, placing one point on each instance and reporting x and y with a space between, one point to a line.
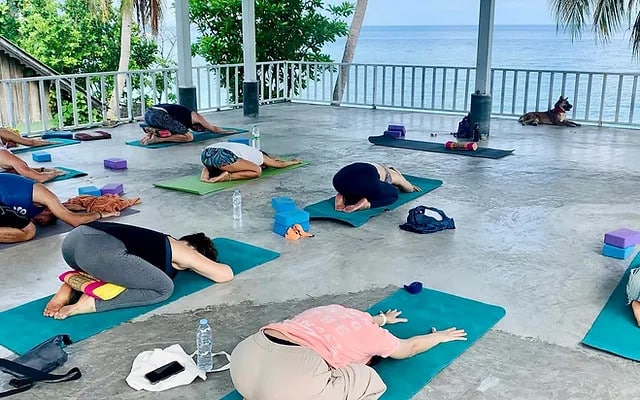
514 46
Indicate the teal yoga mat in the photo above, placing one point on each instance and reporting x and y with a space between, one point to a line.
429 308
483 152
615 329
24 327
69 173
56 143
326 208
197 137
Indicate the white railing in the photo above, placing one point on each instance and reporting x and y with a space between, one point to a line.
38 104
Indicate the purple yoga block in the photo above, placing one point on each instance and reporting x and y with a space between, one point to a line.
622 238
112 188
399 128
394 134
115 163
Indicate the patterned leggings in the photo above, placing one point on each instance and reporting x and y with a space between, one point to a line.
162 120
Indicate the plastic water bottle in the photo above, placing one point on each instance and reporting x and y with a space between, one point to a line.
237 205
255 137
204 345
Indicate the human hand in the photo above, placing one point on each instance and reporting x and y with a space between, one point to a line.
392 317
416 188
108 214
293 162
339 202
449 335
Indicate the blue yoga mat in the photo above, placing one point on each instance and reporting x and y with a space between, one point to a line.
69 173
615 329
24 327
197 137
326 208
429 308
55 143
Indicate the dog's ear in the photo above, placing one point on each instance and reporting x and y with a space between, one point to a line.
561 98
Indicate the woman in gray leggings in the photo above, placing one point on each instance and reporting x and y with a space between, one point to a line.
141 260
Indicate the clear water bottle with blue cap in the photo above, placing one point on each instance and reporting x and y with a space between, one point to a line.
255 137
237 205
204 346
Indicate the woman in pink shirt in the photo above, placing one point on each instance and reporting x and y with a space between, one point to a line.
323 353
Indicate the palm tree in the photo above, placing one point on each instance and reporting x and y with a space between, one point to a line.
148 13
607 17
349 51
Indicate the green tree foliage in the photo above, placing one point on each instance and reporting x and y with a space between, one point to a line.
72 38
285 30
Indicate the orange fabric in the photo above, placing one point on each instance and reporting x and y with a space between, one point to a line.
104 203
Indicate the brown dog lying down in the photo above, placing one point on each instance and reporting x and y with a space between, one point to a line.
555 116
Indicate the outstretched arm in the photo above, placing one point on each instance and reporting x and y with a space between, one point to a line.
199 119
7 136
9 161
277 163
185 257
43 196
419 344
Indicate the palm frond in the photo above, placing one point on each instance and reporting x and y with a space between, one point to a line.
149 13
570 15
608 16
635 36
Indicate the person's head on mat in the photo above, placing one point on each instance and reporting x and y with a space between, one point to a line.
178 120
142 261
324 353
364 185
633 293
24 201
231 161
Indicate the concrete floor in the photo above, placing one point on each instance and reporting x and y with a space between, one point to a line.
529 232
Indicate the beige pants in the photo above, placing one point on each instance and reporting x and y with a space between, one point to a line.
263 370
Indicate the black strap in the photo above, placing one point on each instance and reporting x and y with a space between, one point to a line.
32 375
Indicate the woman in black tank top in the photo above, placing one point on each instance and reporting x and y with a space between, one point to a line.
141 260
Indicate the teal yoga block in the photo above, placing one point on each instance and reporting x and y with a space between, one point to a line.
288 218
239 140
89 190
41 156
281 204
282 229
617 252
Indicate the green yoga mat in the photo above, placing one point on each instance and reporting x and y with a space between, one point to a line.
55 143
326 208
429 308
615 329
69 173
482 152
193 185
197 137
24 327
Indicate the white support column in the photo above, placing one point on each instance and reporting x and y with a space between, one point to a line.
250 98
186 90
485 41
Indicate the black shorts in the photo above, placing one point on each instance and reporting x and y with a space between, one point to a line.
10 218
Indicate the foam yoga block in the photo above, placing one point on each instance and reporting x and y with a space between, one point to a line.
622 238
397 128
281 204
239 140
115 163
41 156
394 134
617 252
89 190
57 135
291 217
112 188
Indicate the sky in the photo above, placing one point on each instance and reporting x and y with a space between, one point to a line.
453 12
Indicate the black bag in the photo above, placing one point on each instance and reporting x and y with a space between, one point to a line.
35 365
11 218
418 222
464 128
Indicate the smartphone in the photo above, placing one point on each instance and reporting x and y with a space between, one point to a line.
162 373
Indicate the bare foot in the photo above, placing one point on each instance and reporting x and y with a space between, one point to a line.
59 300
151 140
85 305
146 138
